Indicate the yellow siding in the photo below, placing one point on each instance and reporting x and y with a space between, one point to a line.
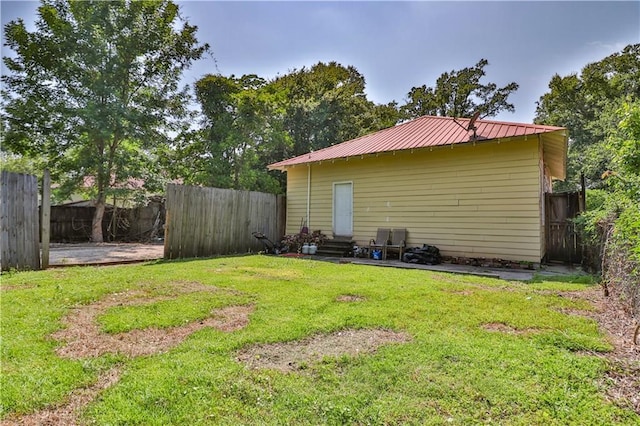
472 201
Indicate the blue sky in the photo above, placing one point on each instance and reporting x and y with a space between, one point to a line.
398 45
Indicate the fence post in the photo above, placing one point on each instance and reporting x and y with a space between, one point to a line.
45 222
4 221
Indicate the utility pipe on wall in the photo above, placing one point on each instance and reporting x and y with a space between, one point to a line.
308 193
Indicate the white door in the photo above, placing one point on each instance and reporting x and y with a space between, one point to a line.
343 209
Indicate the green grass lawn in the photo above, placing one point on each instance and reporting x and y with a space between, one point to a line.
535 370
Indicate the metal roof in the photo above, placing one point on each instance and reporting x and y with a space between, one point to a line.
423 132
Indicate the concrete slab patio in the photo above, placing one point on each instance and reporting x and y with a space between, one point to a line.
502 273
103 253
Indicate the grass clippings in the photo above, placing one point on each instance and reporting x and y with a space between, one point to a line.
15 287
291 356
461 292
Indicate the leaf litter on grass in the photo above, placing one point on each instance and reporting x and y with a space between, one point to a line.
622 381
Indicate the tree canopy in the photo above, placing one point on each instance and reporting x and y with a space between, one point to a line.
459 94
248 123
588 105
327 104
600 106
229 149
95 88
95 92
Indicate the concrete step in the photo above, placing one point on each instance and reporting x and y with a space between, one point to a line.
335 248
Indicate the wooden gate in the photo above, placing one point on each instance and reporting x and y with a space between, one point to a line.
562 241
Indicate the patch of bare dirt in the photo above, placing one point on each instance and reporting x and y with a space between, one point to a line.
350 298
291 356
83 338
623 378
182 287
507 329
460 292
16 287
67 413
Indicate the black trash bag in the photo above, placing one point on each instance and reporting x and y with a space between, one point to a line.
426 255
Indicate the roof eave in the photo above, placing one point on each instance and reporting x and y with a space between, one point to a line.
555 145
424 132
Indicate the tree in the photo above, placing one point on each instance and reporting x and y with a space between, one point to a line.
95 88
326 104
624 146
587 104
226 152
459 94
601 108
249 122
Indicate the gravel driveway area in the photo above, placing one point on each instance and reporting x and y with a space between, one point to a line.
99 253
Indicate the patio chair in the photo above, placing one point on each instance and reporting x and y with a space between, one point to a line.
398 242
380 243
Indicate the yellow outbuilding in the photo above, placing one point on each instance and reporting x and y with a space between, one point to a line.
473 188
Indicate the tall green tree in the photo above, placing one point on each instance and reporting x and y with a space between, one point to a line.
95 89
326 104
624 146
459 94
236 131
248 123
587 104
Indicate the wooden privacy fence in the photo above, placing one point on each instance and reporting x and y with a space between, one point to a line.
72 223
19 222
202 222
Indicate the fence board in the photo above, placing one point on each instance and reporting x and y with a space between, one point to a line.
15 194
4 214
33 223
46 218
203 222
19 222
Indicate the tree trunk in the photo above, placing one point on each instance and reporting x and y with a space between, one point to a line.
96 223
